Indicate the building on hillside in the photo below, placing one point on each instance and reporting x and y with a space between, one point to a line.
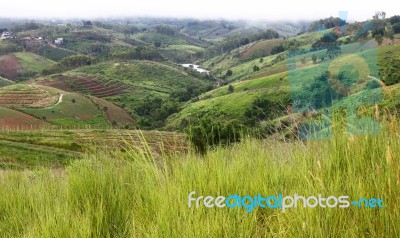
59 41
6 35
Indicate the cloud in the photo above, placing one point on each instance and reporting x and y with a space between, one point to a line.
250 9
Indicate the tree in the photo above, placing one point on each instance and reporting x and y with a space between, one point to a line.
277 49
86 24
396 28
228 73
389 32
256 68
230 88
261 60
326 23
314 58
328 39
378 31
262 109
333 51
394 19
157 44
379 15
379 39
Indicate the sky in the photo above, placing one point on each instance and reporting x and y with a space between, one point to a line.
292 10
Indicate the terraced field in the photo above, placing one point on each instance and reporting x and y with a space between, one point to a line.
15 120
96 88
23 95
75 110
55 148
87 85
263 47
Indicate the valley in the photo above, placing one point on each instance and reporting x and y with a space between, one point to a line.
108 123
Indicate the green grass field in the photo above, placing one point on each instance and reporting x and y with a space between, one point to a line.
22 65
33 63
55 54
222 105
151 37
73 112
139 194
181 53
4 82
56 148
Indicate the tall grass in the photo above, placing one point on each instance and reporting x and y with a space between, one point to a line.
145 194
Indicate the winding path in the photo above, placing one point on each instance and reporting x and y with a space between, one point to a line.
60 99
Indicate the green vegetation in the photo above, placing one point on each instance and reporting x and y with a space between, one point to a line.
104 194
55 148
22 65
53 53
182 53
75 111
72 163
165 85
32 63
223 105
68 63
7 47
4 82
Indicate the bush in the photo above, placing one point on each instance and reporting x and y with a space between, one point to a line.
228 73
262 109
68 63
396 28
209 133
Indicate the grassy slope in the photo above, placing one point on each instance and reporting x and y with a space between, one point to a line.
53 147
32 62
147 78
23 65
151 37
181 53
243 69
53 53
104 195
12 119
4 82
221 105
82 113
117 116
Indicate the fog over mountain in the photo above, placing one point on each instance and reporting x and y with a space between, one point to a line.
252 9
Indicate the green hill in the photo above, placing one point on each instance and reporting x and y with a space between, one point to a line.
51 106
149 91
5 82
222 105
22 65
230 102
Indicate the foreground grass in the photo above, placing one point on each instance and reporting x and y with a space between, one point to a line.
145 193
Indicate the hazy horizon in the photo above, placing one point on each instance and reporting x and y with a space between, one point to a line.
253 10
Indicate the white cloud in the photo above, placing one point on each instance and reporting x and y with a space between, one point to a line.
249 9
